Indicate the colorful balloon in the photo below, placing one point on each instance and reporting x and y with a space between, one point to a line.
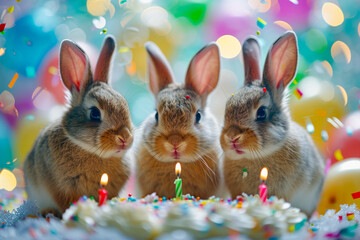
341 182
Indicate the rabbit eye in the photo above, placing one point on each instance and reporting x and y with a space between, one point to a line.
198 116
95 114
261 114
157 116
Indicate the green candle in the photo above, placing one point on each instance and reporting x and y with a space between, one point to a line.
178 181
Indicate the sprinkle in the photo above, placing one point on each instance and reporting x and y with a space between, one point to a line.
198 199
324 135
340 218
187 96
350 216
264 89
338 155
103 31
11 84
291 228
48 219
32 233
129 194
232 95
355 195
2 27
258 33
122 2
10 9
92 198
2 32
298 93
261 23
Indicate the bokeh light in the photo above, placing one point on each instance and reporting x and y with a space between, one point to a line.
327 67
7 180
260 5
229 45
332 14
343 92
284 25
316 40
340 52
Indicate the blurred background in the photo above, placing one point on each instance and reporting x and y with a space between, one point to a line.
324 97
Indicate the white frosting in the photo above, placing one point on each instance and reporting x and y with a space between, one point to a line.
150 217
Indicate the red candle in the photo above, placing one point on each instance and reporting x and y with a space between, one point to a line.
102 191
263 187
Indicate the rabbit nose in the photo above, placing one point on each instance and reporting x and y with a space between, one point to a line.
119 140
124 137
175 140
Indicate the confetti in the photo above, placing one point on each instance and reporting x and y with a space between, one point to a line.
30 72
258 33
324 135
2 27
264 89
2 32
122 2
11 84
187 96
349 131
327 166
338 155
298 93
261 23
124 49
350 216
104 31
355 195
10 9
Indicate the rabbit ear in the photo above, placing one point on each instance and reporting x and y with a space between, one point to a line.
159 70
251 54
103 63
281 63
204 69
74 66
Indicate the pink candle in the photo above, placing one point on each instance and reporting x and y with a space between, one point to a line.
102 191
263 187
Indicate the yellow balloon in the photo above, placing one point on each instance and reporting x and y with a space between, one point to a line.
342 180
26 132
320 101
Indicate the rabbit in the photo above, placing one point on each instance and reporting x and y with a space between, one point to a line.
70 155
182 129
258 131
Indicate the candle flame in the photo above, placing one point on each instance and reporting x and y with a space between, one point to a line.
104 179
178 169
264 174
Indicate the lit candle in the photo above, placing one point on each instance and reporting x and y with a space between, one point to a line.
263 187
178 181
102 191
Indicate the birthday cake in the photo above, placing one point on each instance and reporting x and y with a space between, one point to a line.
152 216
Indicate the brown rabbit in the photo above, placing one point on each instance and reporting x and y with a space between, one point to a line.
258 131
182 129
70 155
